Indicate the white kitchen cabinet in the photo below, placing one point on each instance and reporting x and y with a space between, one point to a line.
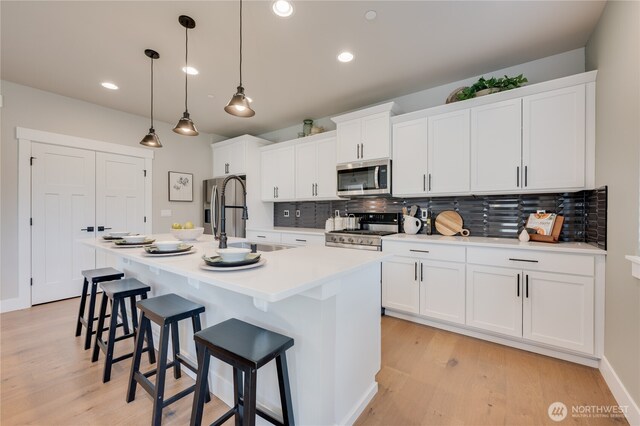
553 139
448 145
315 170
302 239
401 285
229 158
553 308
442 290
496 148
263 236
278 173
364 135
410 158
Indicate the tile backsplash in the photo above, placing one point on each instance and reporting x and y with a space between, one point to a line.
585 212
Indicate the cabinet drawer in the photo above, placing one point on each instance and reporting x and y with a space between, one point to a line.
302 239
263 236
564 263
425 250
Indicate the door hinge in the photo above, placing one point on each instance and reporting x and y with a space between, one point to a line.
31 280
30 221
145 219
145 173
31 160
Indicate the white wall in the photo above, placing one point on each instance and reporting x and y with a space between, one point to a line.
614 50
549 68
35 109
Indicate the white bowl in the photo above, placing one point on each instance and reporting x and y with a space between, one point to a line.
118 233
233 254
187 234
134 238
167 245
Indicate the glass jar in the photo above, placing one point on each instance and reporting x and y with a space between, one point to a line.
306 127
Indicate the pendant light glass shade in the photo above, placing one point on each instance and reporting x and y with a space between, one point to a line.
151 139
239 104
185 126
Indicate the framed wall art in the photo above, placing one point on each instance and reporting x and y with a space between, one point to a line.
180 186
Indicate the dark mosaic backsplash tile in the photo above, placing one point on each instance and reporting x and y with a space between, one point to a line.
585 212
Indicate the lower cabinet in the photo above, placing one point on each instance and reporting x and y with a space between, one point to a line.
430 288
550 308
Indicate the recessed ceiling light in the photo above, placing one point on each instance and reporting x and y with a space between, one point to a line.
282 8
190 70
108 85
370 15
345 56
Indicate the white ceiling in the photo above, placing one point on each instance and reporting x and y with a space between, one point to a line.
290 67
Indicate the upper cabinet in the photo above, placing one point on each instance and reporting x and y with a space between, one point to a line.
315 169
538 138
364 135
230 156
278 173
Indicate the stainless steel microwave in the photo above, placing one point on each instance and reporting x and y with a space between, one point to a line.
364 178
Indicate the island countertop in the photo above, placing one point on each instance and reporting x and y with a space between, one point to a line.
286 272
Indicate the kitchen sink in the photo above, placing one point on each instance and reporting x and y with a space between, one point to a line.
264 247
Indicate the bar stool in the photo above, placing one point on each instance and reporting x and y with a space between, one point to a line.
117 292
166 311
246 348
94 276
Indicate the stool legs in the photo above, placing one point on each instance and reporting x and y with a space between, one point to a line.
175 344
100 330
161 373
201 385
90 315
285 389
145 327
83 302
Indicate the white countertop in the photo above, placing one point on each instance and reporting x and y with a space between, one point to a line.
285 274
290 230
510 243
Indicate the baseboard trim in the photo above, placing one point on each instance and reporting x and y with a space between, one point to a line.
14 304
620 392
358 409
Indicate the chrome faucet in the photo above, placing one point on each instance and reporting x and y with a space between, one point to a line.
223 207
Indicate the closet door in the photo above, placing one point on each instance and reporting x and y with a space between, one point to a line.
63 211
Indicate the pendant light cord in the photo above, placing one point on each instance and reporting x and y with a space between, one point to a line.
152 93
240 42
186 66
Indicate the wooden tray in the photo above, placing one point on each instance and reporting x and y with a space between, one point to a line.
555 232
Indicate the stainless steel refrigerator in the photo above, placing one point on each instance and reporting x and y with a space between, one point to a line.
235 226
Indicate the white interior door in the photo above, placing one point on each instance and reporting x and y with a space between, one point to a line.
119 197
63 204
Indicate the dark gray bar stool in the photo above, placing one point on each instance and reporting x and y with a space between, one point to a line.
118 292
166 311
246 348
94 276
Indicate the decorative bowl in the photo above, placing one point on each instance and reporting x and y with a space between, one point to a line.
167 245
134 238
187 234
233 254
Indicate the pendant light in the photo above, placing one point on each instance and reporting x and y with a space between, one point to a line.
151 140
185 126
239 103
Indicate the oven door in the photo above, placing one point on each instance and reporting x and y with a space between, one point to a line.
366 178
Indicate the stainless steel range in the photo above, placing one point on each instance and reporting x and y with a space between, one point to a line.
373 226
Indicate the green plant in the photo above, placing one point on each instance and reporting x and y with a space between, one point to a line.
506 83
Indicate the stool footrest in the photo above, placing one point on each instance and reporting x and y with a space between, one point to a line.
226 416
185 362
178 396
124 336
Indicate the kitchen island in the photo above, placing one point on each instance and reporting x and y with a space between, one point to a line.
327 299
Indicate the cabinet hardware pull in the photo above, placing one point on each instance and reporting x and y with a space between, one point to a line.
518 286
419 251
518 176
302 241
525 176
277 192
261 236
415 271
424 182
527 285
429 181
316 189
522 260
274 192
421 273
313 189
361 150
358 151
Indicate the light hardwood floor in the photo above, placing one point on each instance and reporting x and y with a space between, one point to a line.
428 377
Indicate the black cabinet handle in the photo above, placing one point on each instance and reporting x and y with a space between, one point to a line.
102 228
515 259
88 229
421 272
261 236
429 181
518 286
302 241
361 150
527 285
415 271
419 251
518 176
525 176
424 182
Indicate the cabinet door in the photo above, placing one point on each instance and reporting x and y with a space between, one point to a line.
558 310
326 181
442 290
410 157
306 171
221 157
376 137
285 185
496 146
448 152
269 174
494 299
553 139
237 156
349 135
400 285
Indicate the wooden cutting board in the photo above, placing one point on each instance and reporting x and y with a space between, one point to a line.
449 223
